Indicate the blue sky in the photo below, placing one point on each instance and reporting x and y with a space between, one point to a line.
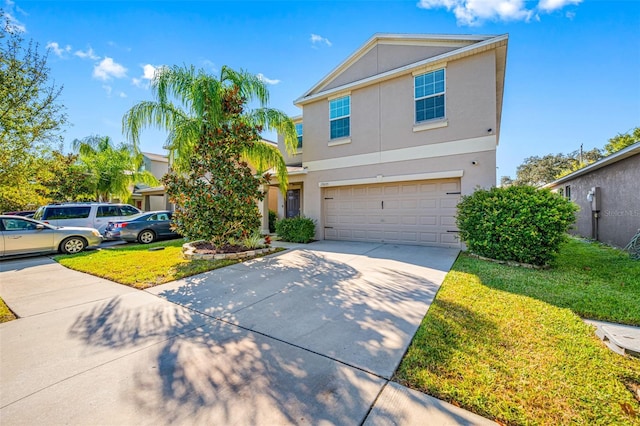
573 66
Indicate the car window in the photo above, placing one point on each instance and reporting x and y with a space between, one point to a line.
163 216
18 225
153 217
128 211
78 212
108 211
38 214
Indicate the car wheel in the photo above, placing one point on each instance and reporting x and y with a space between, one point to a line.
73 245
146 237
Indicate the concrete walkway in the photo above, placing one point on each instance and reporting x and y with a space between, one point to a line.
307 336
620 338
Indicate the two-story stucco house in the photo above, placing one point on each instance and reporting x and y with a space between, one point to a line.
395 134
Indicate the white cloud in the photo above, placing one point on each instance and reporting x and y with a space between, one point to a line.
267 80
108 69
58 50
475 12
553 5
13 24
90 54
315 39
148 71
122 95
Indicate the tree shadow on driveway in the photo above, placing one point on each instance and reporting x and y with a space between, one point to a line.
301 339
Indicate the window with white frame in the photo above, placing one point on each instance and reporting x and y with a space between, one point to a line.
340 116
429 91
299 132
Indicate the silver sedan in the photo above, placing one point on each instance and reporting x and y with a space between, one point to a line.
20 236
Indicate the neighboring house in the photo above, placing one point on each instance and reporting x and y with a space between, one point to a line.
608 193
395 134
152 198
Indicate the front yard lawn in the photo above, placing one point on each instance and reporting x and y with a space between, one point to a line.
507 342
139 267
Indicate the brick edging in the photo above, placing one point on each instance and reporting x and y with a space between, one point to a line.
189 253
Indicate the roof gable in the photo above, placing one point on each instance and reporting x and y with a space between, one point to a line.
384 53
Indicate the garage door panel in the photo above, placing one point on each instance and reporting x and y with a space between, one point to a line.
450 187
428 220
449 203
391 220
420 212
428 237
449 221
409 204
409 220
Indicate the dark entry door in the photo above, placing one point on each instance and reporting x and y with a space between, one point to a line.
293 202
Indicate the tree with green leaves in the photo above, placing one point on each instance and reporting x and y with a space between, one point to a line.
31 118
65 178
537 171
217 198
622 141
112 170
190 104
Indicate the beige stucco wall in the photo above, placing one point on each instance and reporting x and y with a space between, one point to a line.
385 57
157 168
383 115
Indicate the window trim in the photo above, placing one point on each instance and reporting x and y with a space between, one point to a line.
348 116
443 94
300 135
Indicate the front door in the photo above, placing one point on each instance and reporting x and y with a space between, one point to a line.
293 203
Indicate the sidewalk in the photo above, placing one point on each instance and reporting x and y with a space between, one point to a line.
620 338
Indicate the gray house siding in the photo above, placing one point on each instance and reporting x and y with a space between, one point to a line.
619 216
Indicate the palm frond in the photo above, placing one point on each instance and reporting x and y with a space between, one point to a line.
273 119
264 156
251 86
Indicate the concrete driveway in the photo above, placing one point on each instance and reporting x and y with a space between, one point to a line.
307 336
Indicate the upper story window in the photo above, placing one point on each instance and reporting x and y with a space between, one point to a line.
339 117
429 95
299 132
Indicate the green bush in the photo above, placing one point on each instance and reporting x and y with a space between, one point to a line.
296 229
273 216
518 223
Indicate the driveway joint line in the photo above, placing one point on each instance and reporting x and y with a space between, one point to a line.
375 401
222 320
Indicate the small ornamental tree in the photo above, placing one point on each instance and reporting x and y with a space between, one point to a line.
217 196
517 223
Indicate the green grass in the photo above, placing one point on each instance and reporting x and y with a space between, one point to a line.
504 342
138 267
593 280
5 313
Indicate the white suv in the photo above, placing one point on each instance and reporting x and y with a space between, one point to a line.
89 215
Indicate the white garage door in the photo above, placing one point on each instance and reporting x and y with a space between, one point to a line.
415 212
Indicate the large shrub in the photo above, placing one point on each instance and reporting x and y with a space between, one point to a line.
518 223
296 229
